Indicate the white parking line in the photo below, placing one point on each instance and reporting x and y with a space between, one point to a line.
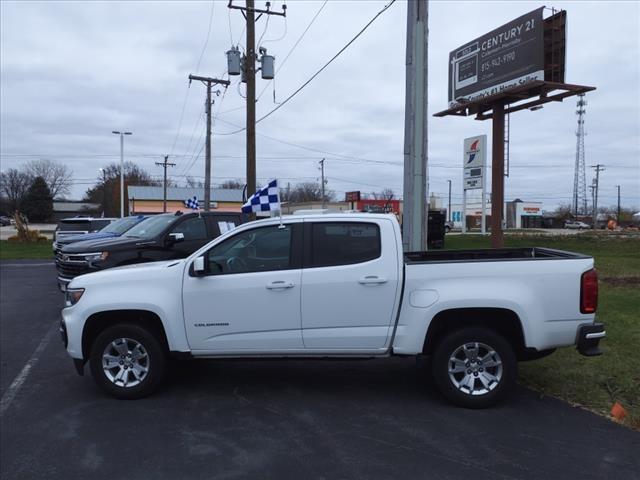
17 383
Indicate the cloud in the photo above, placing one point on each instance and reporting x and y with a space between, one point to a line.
71 72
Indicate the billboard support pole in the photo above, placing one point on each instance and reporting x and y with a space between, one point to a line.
497 176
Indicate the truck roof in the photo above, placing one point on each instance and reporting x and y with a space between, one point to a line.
312 214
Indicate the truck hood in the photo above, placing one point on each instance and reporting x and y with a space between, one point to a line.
104 244
64 240
128 274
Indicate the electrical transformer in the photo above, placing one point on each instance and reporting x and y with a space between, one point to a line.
233 61
267 68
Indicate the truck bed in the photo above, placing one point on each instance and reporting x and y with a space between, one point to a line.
489 255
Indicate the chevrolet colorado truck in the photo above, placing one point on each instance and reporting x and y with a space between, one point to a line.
334 285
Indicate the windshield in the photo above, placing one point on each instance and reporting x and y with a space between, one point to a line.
151 226
122 225
74 225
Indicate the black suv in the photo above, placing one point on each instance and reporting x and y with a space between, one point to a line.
162 237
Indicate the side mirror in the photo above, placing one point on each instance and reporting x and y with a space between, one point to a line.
175 238
199 266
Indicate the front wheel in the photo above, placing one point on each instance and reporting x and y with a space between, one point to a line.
127 361
474 367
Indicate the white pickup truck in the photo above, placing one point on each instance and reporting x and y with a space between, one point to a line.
334 285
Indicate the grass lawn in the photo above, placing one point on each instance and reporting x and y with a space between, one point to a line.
20 251
595 382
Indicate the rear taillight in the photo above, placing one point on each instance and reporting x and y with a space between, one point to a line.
589 291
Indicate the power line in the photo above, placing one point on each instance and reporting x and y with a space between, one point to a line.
286 100
186 96
206 41
281 64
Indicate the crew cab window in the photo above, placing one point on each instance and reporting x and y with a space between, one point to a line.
257 250
192 228
343 243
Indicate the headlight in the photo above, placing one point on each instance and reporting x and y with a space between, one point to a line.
72 296
96 257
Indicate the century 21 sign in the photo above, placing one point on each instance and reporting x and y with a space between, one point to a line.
503 58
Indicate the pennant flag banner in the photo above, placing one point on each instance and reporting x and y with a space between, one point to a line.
192 203
267 199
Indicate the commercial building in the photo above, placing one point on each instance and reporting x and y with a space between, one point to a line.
517 214
149 200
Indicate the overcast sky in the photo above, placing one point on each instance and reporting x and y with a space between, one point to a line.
71 72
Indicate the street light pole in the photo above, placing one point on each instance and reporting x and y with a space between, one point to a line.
104 190
449 209
122 134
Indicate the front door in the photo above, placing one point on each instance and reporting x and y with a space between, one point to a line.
249 300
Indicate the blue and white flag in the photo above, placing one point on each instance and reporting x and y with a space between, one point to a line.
192 203
267 199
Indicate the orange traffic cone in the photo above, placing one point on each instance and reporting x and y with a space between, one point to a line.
618 411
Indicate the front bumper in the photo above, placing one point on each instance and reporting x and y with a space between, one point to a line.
74 348
589 336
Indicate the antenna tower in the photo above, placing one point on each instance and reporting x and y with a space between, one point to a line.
579 177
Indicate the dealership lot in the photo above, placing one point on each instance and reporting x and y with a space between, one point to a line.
271 419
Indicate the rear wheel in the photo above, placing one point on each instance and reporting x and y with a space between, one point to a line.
474 367
127 361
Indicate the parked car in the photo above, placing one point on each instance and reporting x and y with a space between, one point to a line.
161 237
339 286
70 227
4 221
574 224
448 226
114 229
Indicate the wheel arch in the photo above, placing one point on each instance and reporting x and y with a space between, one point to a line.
501 320
98 322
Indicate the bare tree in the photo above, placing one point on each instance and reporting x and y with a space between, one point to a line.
232 184
193 183
14 185
386 194
306 192
107 190
57 176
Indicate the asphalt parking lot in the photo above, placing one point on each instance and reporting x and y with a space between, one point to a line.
271 419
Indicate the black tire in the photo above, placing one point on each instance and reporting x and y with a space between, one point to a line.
151 357
494 389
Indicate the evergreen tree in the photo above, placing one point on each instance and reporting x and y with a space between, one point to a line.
38 202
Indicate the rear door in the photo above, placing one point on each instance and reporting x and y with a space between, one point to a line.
350 284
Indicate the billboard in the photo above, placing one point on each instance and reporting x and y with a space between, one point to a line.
508 56
474 161
352 196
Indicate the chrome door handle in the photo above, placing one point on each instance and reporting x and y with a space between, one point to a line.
279 284
372 280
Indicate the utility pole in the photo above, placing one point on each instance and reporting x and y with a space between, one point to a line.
250 69
449 209
208 81
618 215
598 168
415 193
165 164
324 202
249 11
